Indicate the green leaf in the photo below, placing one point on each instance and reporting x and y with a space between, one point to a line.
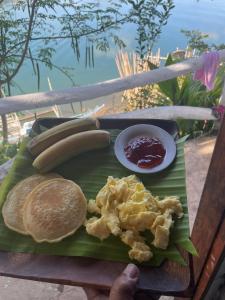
188 246
90 170
170 87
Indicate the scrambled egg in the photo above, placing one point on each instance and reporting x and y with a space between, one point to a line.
126 209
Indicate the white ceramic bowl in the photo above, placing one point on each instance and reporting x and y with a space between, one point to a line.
145 130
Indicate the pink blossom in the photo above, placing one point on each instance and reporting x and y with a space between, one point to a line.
207 73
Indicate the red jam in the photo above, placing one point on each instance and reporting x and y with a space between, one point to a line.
145 152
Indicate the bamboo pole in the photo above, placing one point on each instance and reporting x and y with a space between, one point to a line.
167 113
83 93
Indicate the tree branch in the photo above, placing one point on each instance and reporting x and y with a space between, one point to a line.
28 38
57 37
53 65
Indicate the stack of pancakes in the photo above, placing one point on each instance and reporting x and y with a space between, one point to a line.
47 207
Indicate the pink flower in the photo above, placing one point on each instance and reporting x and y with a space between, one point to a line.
207 73
218 111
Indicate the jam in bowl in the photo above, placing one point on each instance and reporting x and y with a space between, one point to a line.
145 151
145 148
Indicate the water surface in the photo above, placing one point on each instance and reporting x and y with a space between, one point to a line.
204 15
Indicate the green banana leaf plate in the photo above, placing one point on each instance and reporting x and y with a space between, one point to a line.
90 170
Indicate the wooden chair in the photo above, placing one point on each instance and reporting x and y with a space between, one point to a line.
169 279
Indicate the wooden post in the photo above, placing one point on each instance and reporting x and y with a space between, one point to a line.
211 210
208 234
212 265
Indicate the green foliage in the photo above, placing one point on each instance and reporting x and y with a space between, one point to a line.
96 24
218 47
198 40
7 151
24 24
149 16
170 87
145 97
186 91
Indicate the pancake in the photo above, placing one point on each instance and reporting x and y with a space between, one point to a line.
12 209
54 210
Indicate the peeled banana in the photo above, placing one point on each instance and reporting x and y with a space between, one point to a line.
70 147
59 132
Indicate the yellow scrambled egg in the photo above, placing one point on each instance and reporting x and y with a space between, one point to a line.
126 209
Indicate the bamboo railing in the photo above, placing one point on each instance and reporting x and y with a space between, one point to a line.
83 93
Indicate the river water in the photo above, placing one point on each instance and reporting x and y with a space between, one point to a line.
204 15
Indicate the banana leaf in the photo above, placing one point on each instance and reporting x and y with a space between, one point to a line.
90 170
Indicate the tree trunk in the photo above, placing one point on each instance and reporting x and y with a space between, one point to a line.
4 128
4 123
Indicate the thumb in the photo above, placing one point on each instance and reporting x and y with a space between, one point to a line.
125 285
